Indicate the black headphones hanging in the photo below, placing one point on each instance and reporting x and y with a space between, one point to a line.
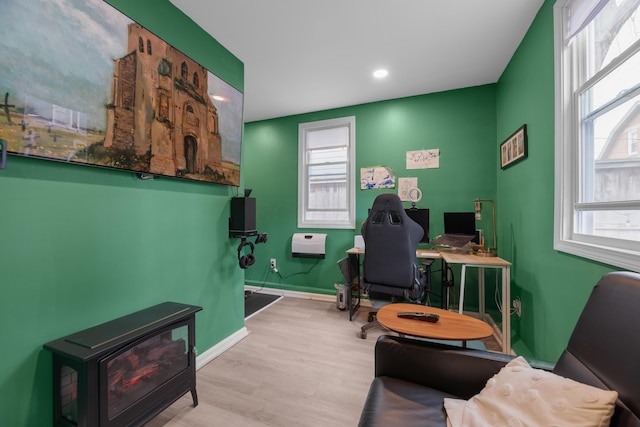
246 261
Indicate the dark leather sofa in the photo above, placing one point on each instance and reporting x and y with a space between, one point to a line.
413 377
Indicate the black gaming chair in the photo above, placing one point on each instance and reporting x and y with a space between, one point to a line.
390 266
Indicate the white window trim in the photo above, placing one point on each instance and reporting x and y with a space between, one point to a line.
630 134
606 250
349 121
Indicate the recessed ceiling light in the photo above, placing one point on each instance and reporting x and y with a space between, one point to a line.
381 73
218 98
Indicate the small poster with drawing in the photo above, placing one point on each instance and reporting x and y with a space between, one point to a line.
423 159
405 185
377 177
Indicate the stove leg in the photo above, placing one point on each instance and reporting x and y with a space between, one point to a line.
194 396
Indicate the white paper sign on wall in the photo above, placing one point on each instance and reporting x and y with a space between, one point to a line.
423 159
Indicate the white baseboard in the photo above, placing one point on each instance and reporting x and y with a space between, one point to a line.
221 347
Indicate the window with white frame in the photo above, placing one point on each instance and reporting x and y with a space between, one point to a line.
326 173
597 169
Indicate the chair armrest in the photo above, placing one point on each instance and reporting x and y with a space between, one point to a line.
459 371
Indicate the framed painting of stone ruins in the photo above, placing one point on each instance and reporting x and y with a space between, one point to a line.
82 83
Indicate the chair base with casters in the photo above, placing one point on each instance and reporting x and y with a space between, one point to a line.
372 322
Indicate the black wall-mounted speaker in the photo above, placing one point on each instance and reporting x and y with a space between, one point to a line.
243 216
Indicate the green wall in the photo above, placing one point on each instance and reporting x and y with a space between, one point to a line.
552 285
461 124
80 245
467 125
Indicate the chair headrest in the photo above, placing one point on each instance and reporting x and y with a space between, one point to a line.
387 210
387 202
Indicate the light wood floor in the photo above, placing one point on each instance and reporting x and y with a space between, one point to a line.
303 364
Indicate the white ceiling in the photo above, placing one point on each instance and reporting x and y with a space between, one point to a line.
302 56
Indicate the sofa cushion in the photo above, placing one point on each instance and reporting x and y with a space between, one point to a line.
394 402
522 396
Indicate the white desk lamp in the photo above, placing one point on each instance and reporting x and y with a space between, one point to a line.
493 250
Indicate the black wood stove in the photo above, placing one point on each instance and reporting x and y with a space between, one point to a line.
126 371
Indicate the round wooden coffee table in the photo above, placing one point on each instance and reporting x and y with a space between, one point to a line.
451 326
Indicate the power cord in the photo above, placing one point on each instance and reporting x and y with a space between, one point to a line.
264 281
498 298
298 273
449 283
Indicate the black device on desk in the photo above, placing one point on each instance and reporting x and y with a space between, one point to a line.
421 216
459 229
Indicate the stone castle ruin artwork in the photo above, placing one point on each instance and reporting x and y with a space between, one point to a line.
162 113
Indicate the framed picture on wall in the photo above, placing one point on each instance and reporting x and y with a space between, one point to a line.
514 148
82 83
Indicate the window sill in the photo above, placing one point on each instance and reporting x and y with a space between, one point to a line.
627 259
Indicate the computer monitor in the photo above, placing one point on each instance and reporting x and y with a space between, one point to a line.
421 216
460 223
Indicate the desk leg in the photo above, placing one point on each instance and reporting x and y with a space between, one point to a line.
506 310
444 289
481 300
462 277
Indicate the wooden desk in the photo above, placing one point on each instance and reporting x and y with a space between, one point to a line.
451 326
420 253
467 260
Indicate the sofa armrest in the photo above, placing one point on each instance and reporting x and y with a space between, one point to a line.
459 371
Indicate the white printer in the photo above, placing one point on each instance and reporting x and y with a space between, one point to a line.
308 245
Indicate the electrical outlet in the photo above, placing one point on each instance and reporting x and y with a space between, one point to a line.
272 264
517 307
